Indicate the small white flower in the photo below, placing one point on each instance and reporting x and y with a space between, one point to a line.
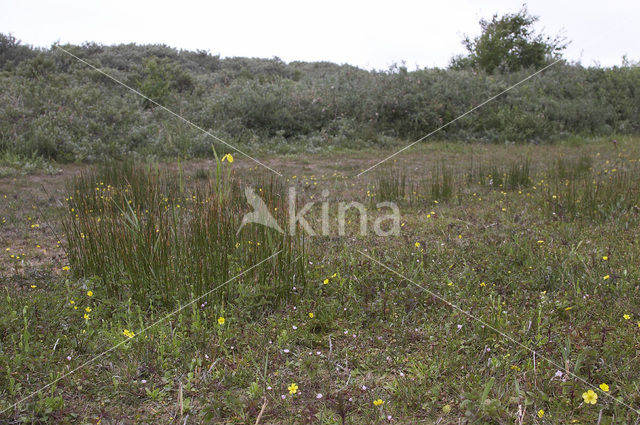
283 396
286 351
364 388
144 381
318 395
294 327
69 358
269 387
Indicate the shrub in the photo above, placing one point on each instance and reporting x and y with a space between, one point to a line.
57 107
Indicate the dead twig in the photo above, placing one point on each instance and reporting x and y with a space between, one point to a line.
264 406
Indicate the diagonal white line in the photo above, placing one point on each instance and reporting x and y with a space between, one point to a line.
463 115
518 343
138 333
168 110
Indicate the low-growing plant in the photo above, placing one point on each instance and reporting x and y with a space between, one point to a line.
442 184
390 186
145 234
612 192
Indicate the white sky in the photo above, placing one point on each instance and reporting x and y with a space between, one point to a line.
369 34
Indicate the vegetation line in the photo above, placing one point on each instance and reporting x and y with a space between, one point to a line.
168 110
460 116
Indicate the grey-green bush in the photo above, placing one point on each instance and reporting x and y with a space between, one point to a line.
56 107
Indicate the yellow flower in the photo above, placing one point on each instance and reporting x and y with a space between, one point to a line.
72 302
88 309
33 286
626 317
293 388
590 397
65 268
604 387
128 333
606 277
310 315
605 258
228 157
325 282
90 293
221 320
483 284
540 241
540 413
417 244
378 402
86 316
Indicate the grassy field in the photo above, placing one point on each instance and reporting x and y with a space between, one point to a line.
511 292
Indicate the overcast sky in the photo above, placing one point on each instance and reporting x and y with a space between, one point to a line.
368 34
